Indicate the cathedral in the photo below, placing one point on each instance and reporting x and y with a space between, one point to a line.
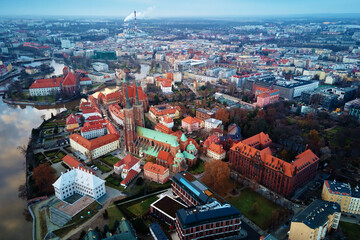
180 151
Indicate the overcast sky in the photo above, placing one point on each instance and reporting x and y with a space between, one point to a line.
177 8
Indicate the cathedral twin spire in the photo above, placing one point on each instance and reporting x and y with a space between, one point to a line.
128 105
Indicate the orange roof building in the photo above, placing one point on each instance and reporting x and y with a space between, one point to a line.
253 158
191 124
156 173
96 147
216 151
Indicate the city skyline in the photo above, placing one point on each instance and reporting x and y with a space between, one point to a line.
186 8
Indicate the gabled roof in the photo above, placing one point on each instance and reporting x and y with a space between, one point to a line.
216 148
70 79
71 161
46 83
162 128
191 120
166 156
257 139
155 168
131 174
72 119
94 143
128 161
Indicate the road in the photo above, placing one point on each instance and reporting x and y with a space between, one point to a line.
191 88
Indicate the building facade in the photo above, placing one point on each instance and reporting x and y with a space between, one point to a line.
315 221
81 181
156 173
347 197
253 159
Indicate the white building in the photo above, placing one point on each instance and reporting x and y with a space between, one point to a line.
177 76
81 181
166 87
100 67
125 165
66 44
216 152
212 123
90 131
167 121
96 147
45 87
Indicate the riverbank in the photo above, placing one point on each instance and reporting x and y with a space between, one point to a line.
34 103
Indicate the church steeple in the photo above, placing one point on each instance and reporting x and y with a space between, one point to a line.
137 95
128 105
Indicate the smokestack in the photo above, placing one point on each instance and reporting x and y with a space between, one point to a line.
135 21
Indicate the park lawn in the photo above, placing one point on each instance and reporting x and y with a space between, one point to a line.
60 154
51 153
351 230
102 168
39 156
198 168
140 208
109 160
56 160
114 214
245 202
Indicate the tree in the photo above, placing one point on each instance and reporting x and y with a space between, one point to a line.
82 234
139 181
44 178
255 208
223 115
56 129
217 176
106 214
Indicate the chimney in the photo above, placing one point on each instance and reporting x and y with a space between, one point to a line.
135 22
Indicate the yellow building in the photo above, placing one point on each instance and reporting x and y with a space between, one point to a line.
315 221
348 198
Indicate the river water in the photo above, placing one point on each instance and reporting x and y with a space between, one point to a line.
15 128
16 124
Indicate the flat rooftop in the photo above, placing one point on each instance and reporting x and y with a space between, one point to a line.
73 209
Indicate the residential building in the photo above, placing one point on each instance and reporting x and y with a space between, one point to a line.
167 121
353 108
156 173
45 87
71 162
267 97
96 147
315 221
157 112
81 181
216 152
117 114
72 122
212 123
204 114
190 124
347 197
123 167
93 129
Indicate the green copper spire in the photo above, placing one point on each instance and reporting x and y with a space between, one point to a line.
128 105
124 80
137 96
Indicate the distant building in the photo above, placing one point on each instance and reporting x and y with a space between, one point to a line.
315 221
343 194
353 108
79 180
156 173
293 89
156 232
100 67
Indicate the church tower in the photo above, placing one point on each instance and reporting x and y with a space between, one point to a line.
138 110
129 123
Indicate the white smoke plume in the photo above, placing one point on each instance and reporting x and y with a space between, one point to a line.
139 15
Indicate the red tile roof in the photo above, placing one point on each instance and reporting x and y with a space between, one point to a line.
166 156
92 126
162 128
216 148
72 119
94 143
154 168
71 161
46 83
130 176
70 80
257 139
129 161
190 120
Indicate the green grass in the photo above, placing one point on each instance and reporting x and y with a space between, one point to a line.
351 230
113 181
60 154
56 160
51 153
140 208
198 168
39 156
109 160
102 168
114 214
245 202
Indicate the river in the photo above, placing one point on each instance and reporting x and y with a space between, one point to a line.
15 128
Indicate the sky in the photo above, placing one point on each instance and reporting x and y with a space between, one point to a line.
176 8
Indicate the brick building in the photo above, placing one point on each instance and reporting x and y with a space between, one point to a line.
253 158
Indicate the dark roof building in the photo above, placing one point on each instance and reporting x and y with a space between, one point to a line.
156 232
